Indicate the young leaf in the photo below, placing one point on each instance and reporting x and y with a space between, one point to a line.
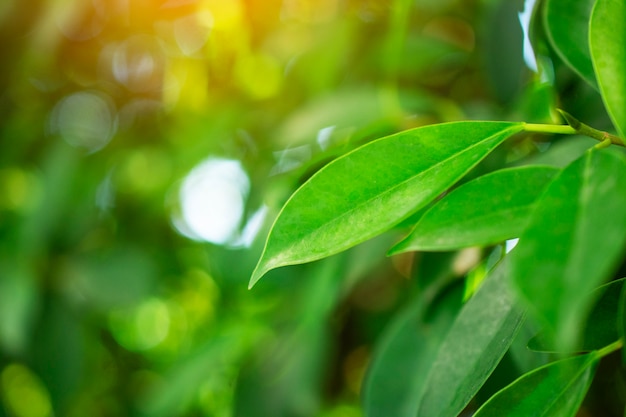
407 348
487 210
479 337
574 239
567 27
370 189
556 389
607 37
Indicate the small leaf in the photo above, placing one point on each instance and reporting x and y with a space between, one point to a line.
556 389
607 37
567 27
575 238
407 348
601 327
487 210
372 188
478 339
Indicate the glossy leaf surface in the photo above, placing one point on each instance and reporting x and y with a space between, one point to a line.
567 27
407 349
575 238
478 339
607 37
367 191
487 210
556 389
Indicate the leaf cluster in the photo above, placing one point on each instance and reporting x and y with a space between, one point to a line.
568 223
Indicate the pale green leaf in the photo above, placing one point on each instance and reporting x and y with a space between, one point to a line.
372 188
574 240
487 210
554 390
607 37
479 337
407 348
567 27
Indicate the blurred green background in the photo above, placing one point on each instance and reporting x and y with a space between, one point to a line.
147 145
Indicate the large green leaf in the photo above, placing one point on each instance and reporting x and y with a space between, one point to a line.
567 27
487 210
574 239
554 390
368 190
607 37
478 339
407 348
602 325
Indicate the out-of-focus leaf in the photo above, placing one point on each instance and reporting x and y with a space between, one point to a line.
367 191
573 241
563 152
567 26
407 348
341 110
113 278
287 379
479 337
19 298
487 210
607 37
601 328
556 389
214 365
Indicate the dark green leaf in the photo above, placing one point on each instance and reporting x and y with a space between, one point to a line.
478 339
567 26
407 348
601 327
607 37
487 210
556 389
574 239
367 191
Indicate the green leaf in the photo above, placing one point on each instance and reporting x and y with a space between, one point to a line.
478 339
574 240
601 327
567 27
372 188
487 210
407 348
556 389
607 37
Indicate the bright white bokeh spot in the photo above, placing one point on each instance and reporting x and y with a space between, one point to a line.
524 19
212 200
510 244
86 119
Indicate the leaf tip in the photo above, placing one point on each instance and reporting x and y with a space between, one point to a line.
257 274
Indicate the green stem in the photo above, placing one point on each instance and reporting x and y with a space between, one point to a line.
610 348
556 129
574 126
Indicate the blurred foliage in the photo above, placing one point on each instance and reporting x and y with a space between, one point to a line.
146 143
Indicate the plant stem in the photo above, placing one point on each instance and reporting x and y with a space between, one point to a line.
575 126
557 129
610 348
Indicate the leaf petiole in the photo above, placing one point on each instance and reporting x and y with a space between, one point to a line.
609 348
575 126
